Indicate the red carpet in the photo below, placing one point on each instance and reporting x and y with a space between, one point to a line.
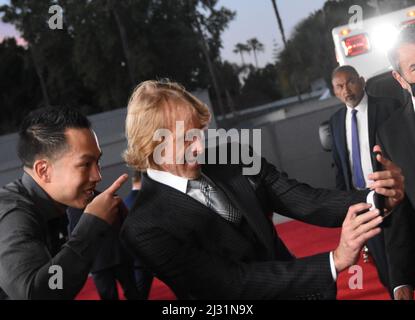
303 240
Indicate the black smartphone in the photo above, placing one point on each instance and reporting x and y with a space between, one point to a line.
378 199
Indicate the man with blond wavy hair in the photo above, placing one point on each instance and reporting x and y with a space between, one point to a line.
204 229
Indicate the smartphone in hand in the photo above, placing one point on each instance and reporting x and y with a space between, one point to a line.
378 199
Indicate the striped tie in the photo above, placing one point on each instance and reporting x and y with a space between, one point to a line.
214 198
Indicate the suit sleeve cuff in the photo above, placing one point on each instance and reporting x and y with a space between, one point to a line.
333 267
370 200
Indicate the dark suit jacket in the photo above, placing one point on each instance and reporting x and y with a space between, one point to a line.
110 253
130 199
379 110
397 139
200 255
389 270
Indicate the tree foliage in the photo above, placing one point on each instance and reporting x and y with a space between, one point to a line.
105 48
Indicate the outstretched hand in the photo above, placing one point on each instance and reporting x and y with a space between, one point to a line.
389 182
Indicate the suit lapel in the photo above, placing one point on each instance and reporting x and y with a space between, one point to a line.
409 120
239 192
371 120
342 145
242 196
401 144
175 199
401 138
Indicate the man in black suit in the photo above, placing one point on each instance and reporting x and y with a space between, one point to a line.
205 230
353 130
371 112
397 134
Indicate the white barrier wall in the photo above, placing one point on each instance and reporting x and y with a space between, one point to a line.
289 140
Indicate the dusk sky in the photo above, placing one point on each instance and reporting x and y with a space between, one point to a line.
254 18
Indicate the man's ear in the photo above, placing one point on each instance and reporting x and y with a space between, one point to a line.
400 79
42 170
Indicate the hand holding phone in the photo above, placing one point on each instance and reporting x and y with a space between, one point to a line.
378 199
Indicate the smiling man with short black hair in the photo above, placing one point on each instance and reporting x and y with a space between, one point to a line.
60 156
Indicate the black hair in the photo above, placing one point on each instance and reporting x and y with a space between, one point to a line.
42 132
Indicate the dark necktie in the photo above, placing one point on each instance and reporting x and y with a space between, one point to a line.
214 198
358 178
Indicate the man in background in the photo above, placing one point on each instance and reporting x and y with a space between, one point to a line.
143 276
135 187
353 130
397 135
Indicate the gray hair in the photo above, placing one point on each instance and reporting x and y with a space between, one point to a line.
405 36
347 69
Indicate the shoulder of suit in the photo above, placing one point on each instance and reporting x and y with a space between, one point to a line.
14 198
150 206
337 114
385 102
392 123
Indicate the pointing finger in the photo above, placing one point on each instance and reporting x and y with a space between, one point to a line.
117 184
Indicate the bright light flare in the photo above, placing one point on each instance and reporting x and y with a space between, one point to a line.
383 36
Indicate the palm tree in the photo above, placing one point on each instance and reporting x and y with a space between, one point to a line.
241 48
205 49
275 51
277 13
112 7
39 72
255 46
284 40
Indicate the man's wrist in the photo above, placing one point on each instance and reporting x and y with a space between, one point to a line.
339 266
